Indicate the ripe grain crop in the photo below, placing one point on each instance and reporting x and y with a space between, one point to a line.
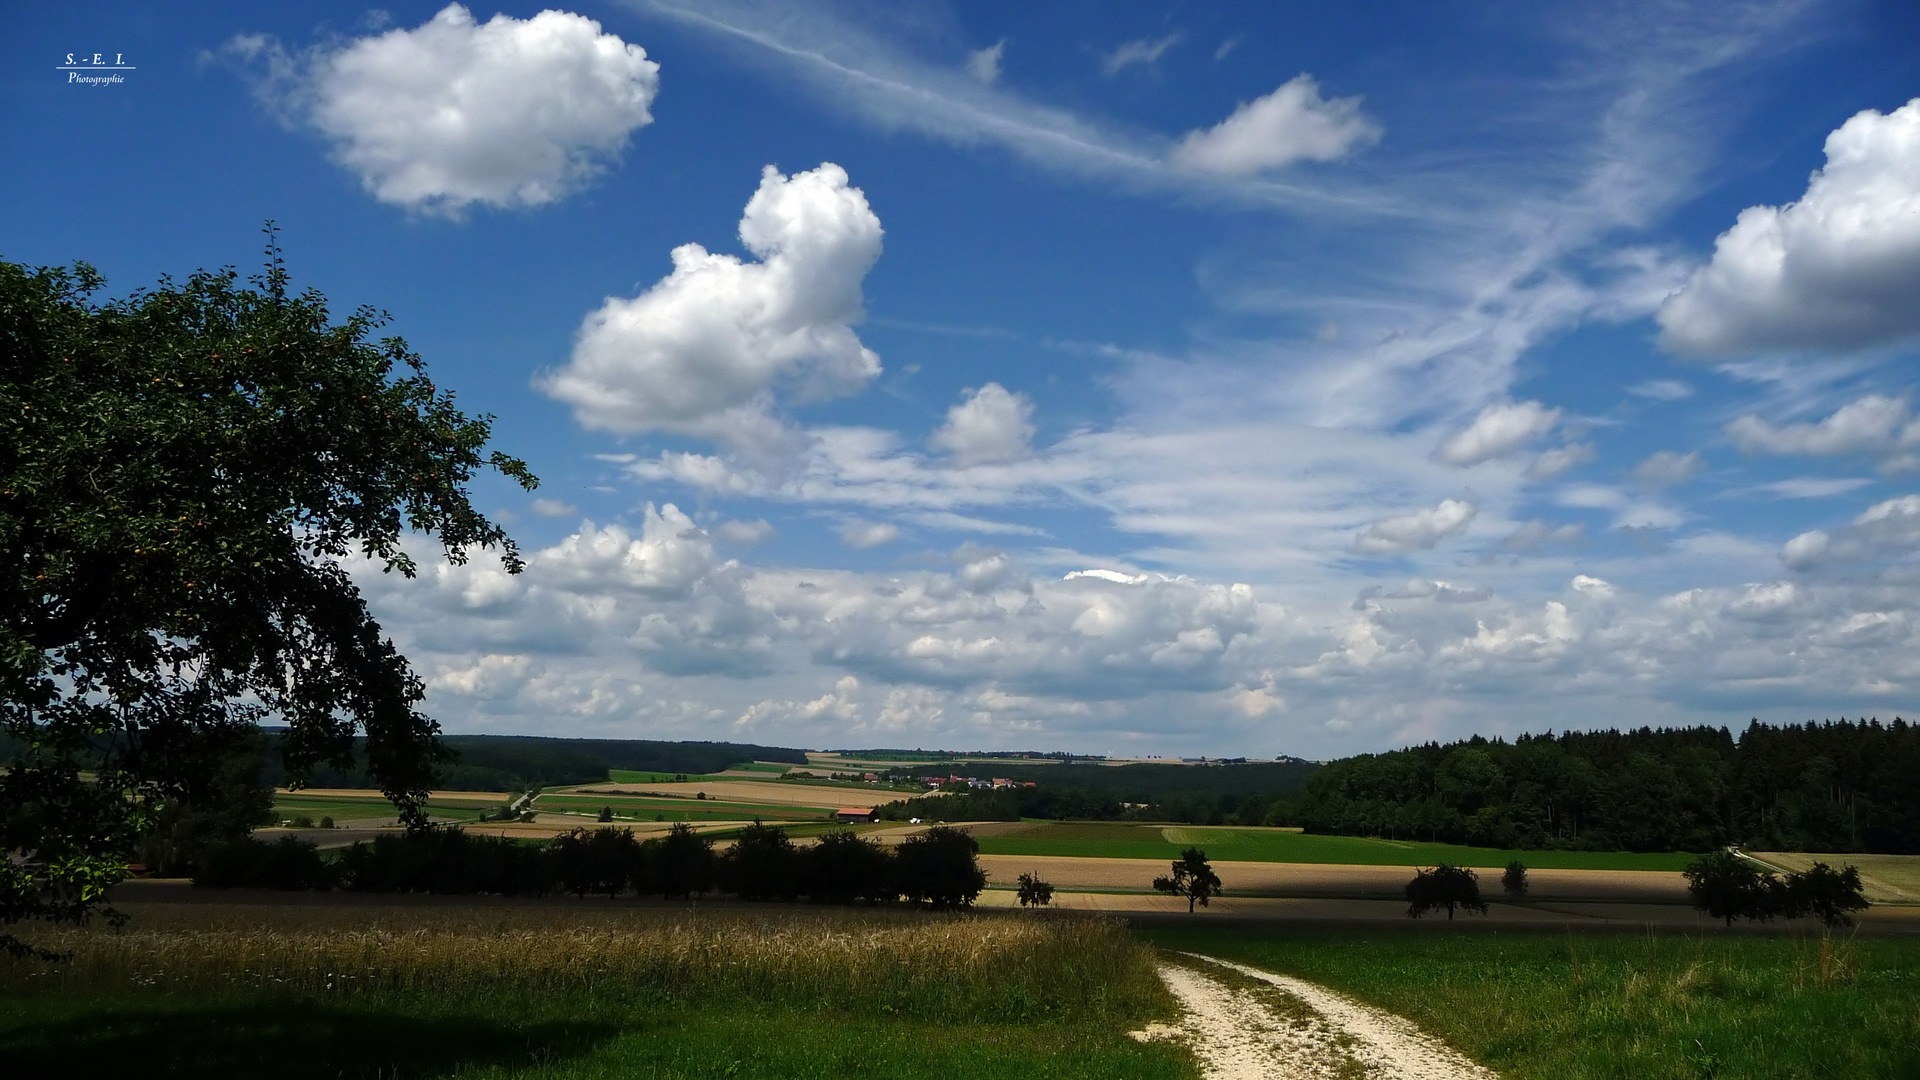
977 967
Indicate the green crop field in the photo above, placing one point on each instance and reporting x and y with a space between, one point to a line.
628 776
345 809
710 809
1284 845
586 990
761 767
1545 1006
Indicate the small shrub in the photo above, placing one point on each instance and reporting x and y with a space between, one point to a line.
326 822
1034 892
606 814
1514 881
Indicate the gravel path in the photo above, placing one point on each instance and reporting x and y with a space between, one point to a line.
1248 1024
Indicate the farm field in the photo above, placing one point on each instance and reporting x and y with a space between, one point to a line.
1329 879
370 805
1886 879
1555 1006
586 989
1230 844
758 792
702 809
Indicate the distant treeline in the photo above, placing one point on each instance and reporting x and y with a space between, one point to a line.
519 762
1824 787
886 754
1243 794
938 868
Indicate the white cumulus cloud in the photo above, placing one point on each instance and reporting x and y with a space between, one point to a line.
1294 123
1500 429
992 424
1416 531
510 112
1839 269
1876 424
1890 528
704 350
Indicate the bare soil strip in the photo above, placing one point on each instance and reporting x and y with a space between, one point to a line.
1247 1024
1336 879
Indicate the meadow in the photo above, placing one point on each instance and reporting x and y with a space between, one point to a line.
345 808
1547 1006
1226 844
585 990
1889 879
674 809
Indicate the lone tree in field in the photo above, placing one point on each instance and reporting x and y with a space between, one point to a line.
186 475
1446 887
1034 892
1728 887
1514 882
1192 877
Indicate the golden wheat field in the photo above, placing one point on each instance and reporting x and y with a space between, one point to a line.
917 959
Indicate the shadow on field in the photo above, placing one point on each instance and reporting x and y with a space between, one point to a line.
285 1042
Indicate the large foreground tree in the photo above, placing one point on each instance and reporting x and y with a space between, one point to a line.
185 475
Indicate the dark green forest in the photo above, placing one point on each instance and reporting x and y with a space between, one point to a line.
1825 787
519 762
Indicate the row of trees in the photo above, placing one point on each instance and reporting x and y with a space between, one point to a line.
1845 786
1729 887
1721 884
938 868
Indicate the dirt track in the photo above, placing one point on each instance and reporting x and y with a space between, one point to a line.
1248 1024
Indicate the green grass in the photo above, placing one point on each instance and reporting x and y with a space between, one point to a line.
1286 846
405 1036
1544 1006
343 809
587 990
708 809
761 767
628 776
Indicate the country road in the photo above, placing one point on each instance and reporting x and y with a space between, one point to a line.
1247 1024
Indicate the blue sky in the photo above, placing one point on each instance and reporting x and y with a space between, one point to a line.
1172 379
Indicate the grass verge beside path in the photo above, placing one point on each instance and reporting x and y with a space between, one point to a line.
1287 846
1543 1006
588 990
